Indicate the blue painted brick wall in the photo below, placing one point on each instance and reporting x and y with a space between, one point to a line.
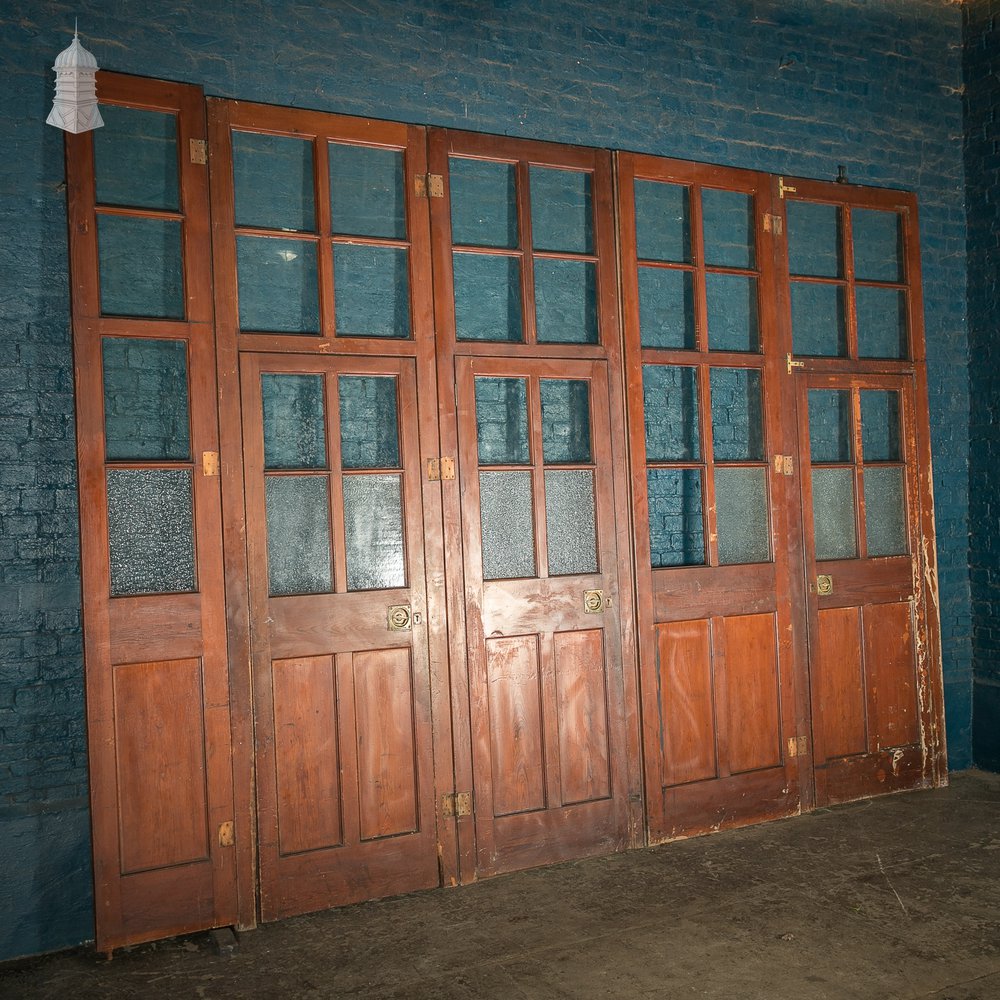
789 88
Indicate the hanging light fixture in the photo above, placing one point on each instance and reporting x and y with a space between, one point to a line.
75 107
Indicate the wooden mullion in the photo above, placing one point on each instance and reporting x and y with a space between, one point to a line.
538 476
529 324
338 536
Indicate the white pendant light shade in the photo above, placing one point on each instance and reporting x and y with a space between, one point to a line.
75 107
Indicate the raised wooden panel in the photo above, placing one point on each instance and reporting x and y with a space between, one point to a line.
387 770
160 743
584 748
838 686
889 663
687 705
515 724
754 737
306 755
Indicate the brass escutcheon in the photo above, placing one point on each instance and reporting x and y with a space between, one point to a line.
398 618
593 601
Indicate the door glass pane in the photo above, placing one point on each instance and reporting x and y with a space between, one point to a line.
508 531
483 203
502 421
140 267
298 535
670 399
565 420
737 430
273 180
818 324
885 511
487 297
833 513
666 308
878 245
732 313
369 425
728 226
662 221
676 528
881 322
135 158
830 437
880 425
366 191
277 289
371 290
741 515
151 531
815 239
569 520
145 399
373 524
561 215
566 301
294 421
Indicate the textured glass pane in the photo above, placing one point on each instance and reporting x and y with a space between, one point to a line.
369 425
878 245
833 513
273 180
885 511
741 515
666 308
145 399
561 214
483 203
566 301
737 428
508 529
881 322
676 530
366 191
151 531
818 325
830 438
732 313
135 158
565 420
373 524
371 289
298 535
294 421
670 399
502 421
277 285
569 520
728 226
880 425
662 221
814 239
487 297
140 267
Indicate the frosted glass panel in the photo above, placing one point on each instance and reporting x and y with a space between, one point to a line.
741 515
140 267
670 397
373 524
151 531
371 290
294 421
145 399
830 438
728 224
565 420
487 297
662 221
878 245
507 526
676 528
366 191
666 308
569 520
483 203
369 425
885 511
561 214
814 239
818 324
135 158
737 431
277 285
298 535
833 513
566 301
273 179
880 425
502 421
881 322
732 313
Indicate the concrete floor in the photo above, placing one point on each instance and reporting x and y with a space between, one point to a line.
896 897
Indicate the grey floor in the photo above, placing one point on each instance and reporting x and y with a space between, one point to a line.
897 897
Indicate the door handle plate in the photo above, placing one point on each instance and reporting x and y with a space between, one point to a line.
398 618
593 601
824 585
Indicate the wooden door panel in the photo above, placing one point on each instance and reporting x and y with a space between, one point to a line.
888 645
839 728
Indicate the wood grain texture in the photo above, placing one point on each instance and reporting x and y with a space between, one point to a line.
889 665
839 712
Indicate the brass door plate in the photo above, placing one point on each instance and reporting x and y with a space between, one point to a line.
593 601
824 585
398 618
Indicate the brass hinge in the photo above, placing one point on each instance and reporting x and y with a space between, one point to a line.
199 150
784 465
793 364
773 224
227 834
440 468
456 804
210 463
428 185
784 188
798 746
